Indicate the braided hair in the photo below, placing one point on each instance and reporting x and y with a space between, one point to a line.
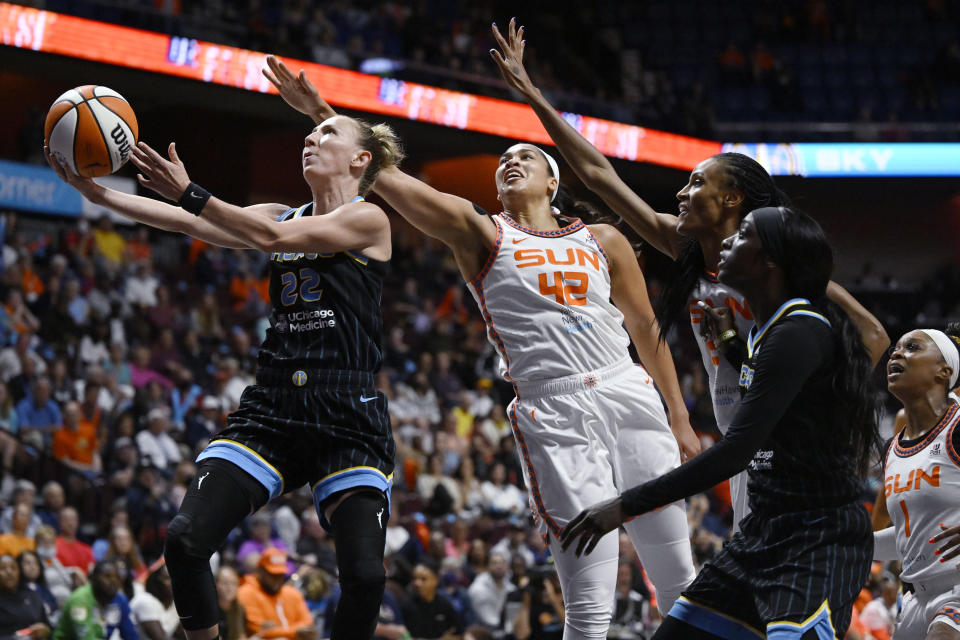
807 263
747 176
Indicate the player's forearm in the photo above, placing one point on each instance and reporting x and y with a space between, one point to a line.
874 336
587 162
161 215
252 229
431 211
322 111
656 358
598 175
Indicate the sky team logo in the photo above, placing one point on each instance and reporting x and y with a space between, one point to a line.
746 377
299 378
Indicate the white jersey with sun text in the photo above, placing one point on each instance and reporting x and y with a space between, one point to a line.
545 297
921 484
724 379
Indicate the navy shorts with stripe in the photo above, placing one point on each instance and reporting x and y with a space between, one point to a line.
784 575
328 429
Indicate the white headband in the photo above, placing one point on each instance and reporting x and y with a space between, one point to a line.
553 167
949 350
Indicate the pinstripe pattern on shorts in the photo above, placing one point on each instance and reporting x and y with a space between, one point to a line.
786 569
307 433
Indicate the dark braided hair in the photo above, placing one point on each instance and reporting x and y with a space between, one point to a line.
747 176
807 264
572 207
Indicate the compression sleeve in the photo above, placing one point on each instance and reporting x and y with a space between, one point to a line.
790 354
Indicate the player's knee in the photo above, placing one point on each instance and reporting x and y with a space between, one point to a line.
588 616
363 575
588 625
184 544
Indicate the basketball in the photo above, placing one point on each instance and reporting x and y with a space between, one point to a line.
92 129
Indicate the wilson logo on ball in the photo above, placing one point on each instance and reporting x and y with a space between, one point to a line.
92 129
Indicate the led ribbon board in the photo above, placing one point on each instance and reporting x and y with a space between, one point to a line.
49 32
29 28
854 159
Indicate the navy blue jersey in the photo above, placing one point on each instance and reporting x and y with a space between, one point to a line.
786 431
804 462
326 310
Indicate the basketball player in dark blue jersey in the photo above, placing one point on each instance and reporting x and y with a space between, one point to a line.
314 415
805 425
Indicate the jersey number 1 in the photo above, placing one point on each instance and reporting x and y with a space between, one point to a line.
906 517
564 293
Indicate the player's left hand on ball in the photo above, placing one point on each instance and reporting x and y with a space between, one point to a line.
86 186
952 536
167 177
592 524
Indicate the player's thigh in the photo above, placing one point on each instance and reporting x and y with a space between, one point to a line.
566 468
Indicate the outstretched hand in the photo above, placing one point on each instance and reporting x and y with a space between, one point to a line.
167 177
592 524
510 61
297 91
86 186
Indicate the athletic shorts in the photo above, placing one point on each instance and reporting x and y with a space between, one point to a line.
587 437
923 608
783 575
328 429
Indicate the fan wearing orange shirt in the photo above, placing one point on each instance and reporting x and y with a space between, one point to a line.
17 540
275 609
75 443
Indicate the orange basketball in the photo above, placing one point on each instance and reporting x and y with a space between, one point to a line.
92 128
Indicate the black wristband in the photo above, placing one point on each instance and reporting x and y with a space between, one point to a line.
194 199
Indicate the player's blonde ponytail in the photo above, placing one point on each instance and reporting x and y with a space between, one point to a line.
384 146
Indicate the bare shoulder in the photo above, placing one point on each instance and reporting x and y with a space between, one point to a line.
607 235
363 213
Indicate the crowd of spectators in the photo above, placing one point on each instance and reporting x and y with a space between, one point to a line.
669 65
122 351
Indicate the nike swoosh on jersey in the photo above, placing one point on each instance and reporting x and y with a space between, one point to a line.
362 399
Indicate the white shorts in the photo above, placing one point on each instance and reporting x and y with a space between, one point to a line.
923 609
585 438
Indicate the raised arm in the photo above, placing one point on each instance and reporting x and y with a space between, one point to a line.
629 292
874 336
591 166
146 211
449 218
